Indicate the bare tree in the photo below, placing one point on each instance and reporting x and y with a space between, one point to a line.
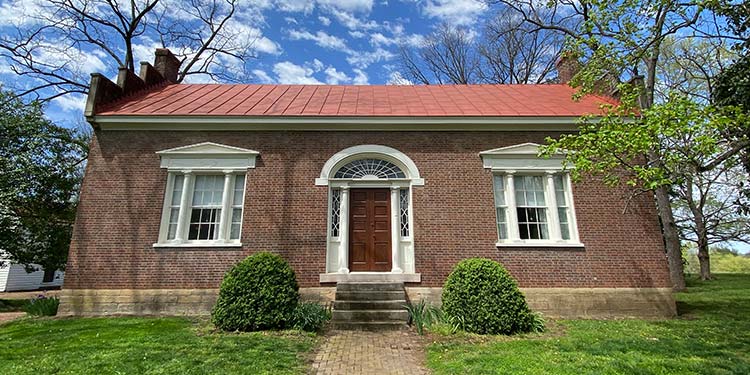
507 51
689 66
622 40
57 44
515 53
448 55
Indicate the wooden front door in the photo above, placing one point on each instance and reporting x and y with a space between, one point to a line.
370 230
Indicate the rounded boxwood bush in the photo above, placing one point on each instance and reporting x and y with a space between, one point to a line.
260 292
480 296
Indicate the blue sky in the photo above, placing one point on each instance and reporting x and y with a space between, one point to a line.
298 41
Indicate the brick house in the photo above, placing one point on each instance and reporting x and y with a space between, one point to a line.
348 183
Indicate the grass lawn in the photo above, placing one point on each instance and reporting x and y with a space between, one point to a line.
711 336
145 346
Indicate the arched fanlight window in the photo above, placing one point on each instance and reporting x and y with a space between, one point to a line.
369 168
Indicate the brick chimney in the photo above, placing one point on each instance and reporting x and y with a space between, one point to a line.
167 64
102 90
567 67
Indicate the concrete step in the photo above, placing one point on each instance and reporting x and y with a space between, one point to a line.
369 305
369 326
378 295
370 315
372 286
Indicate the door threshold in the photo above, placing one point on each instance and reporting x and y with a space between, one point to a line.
370 277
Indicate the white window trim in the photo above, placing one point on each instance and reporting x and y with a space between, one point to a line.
205 158
523 159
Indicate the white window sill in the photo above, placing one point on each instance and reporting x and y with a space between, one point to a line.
198 244
540 244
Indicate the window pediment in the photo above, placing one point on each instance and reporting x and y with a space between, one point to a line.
208 156
524 156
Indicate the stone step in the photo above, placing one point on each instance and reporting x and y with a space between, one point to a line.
377 295
369 305
369 326
371 286
370 315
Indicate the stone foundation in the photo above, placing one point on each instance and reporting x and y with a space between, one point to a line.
596 303
552 302
186 302
88 302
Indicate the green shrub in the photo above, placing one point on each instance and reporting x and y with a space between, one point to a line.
260 292
480 296
310 316
422 314
42 306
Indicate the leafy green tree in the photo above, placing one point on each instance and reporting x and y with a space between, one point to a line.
619 40
41 166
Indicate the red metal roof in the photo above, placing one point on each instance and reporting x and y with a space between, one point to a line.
382 100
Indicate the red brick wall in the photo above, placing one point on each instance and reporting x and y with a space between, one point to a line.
121 201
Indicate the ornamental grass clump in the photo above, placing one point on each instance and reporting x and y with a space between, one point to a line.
310 316
259 293
42 306
482 296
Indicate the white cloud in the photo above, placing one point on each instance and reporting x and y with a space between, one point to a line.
354 6
324 20
457 12
316 65
288 72
395 78
305 6
290 20
362 60
351 22
334 77
378 39
413 40
71 102
265 45
357 34
360 77
320 38
21 12
262 76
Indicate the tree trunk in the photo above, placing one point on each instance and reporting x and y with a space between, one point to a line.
671 238
705 262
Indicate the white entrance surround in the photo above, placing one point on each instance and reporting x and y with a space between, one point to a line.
390 168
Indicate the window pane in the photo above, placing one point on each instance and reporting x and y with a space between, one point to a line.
236 224
204 224
173 218
502 223
560 190
562 213
532 223
369 168
335 212
523 230
177 190
499 184
529 191
404 211
208 190
239 190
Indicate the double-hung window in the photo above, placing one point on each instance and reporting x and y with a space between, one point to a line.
205 194
204 208
533 200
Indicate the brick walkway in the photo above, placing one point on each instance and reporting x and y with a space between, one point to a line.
8 316
357 352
